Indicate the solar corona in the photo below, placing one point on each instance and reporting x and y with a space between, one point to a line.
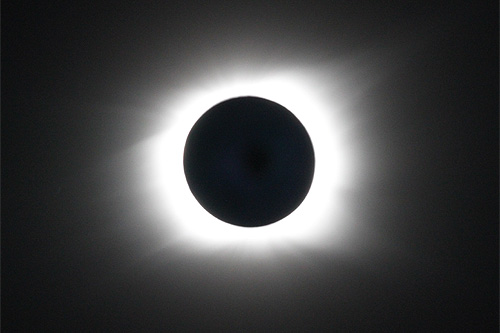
255 162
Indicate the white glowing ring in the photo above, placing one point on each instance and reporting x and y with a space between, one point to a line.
177 213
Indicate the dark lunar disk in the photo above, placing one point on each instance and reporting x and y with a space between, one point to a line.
249 161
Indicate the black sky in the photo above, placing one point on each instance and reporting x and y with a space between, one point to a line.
75 77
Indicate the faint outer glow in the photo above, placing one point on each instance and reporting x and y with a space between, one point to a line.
320 221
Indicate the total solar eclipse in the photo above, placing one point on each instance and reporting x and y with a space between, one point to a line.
249 161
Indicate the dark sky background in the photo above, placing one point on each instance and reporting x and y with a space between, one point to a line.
76 76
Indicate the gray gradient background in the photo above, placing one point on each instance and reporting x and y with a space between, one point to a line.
79 85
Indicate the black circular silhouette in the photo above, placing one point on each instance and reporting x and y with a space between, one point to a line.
249 161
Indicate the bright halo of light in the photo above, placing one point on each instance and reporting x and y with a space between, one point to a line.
319 221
